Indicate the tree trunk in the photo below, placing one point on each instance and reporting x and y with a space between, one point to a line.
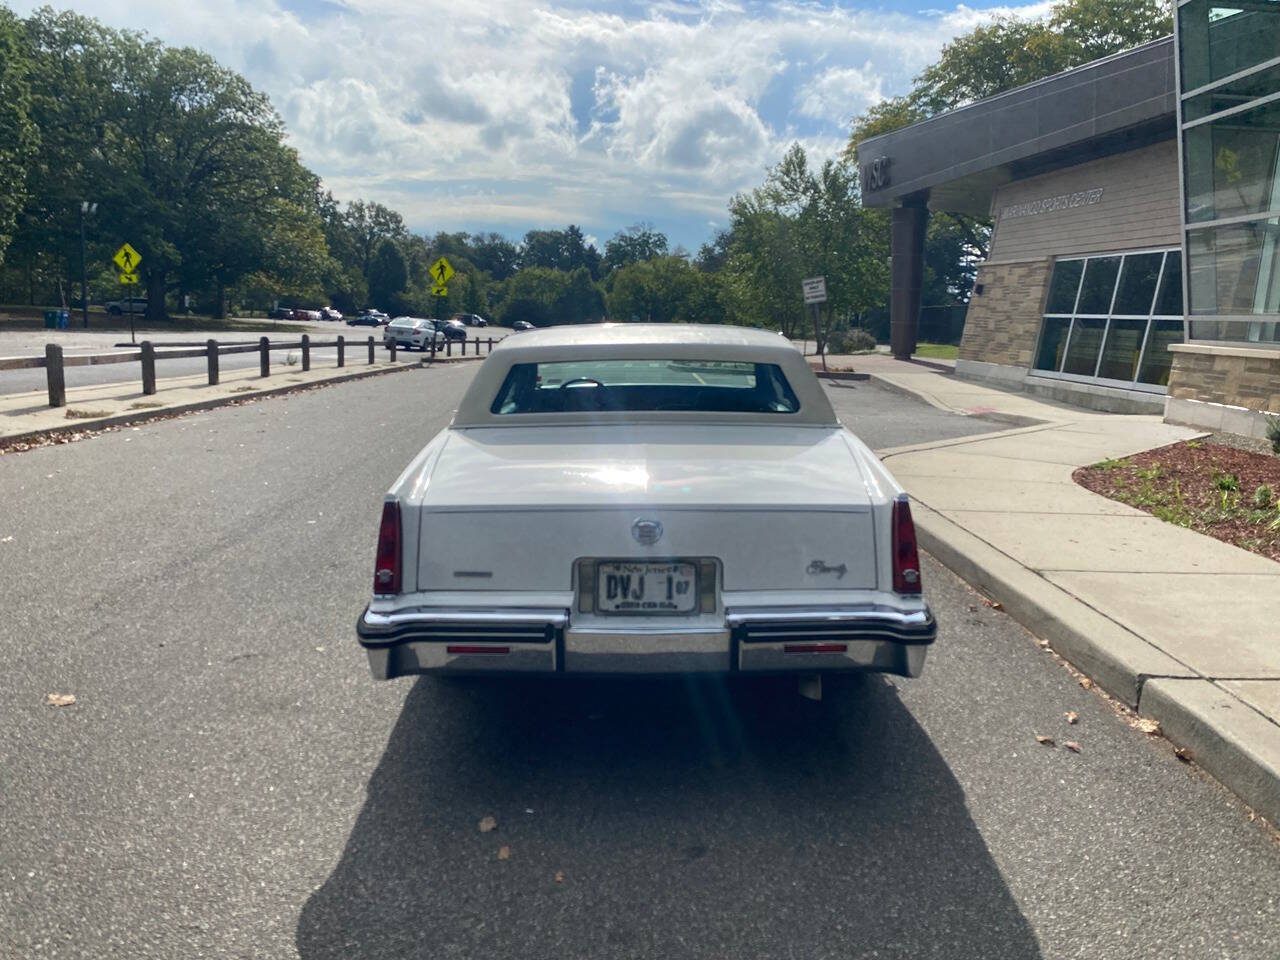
155 295
220 311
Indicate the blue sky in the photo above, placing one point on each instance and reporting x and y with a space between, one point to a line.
502 115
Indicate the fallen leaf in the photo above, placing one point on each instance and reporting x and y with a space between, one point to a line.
993 604
504 853
1072 716
1045 741
1183 754
1086 682
1072 746
1043 643
559 878
972 608
488 824
1147 726
60 699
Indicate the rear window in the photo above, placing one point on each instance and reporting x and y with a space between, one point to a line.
707 386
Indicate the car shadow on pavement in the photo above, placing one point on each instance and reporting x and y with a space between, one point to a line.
662 818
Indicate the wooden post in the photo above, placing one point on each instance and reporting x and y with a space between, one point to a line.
306 352
212 347
56 375
491 344
148 368
342 350
391 345
448 347
433 345
371 349
264 357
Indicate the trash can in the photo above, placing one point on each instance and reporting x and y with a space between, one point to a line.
51 319
64 319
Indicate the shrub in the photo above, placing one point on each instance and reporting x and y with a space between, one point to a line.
1273 433
855 340
1263 497
1226 482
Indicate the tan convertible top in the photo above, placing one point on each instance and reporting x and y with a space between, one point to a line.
643 341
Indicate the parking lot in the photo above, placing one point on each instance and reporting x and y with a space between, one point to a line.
231 783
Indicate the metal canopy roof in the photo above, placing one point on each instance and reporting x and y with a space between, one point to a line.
1118 103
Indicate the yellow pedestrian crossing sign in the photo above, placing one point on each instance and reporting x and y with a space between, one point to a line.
127 259
128 279
441 271
439 290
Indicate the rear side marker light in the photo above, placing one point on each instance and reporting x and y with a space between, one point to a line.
386 568
815 648
906 558
457 649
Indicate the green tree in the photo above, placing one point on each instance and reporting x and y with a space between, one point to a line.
370 224
531 295
804 222
19 137
388 276
580 300
638 242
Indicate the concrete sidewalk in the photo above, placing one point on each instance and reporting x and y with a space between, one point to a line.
93 407
1180 626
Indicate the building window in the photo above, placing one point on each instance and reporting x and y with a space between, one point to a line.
1219 40
1229 67
1111 319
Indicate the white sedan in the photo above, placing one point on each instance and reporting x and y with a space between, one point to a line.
637 498
410 332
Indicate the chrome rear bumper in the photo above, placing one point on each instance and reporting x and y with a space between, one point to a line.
871 637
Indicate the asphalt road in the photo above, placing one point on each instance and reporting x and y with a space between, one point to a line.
231 783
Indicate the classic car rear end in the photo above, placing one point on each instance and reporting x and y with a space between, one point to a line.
637 499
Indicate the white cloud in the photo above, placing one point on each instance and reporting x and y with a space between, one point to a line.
498 113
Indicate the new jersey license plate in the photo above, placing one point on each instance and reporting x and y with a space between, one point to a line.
646 587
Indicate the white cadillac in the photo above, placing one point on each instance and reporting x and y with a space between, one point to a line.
646 499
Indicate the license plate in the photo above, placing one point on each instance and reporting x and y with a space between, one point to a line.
643 588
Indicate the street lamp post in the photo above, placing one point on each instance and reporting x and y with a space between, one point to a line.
86 208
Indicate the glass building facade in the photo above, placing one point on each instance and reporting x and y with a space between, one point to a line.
1229 134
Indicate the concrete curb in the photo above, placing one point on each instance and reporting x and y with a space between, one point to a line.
1013 419
1226 736
123 419
1120 661
839 375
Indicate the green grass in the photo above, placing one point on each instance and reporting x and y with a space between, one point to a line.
937 351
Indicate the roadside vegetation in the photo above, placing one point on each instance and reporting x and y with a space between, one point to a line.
188 162
1223 491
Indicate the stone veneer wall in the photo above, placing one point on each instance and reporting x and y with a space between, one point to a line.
1004 321
1221 377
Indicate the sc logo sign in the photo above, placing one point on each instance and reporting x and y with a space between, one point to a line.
875 174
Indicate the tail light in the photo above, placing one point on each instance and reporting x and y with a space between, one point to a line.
906 558
386 569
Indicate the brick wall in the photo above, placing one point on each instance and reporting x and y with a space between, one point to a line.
1004 321
1239 381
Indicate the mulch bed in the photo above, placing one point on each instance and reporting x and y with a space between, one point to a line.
1225 492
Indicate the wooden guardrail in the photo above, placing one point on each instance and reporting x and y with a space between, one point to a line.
55 362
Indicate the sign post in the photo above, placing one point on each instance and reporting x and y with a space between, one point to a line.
815 295
441 271
128 260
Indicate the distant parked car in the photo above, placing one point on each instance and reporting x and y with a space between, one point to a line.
523 325
410 332
472 319
453 330
370 318
127 305
280 313
329 313
311 316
